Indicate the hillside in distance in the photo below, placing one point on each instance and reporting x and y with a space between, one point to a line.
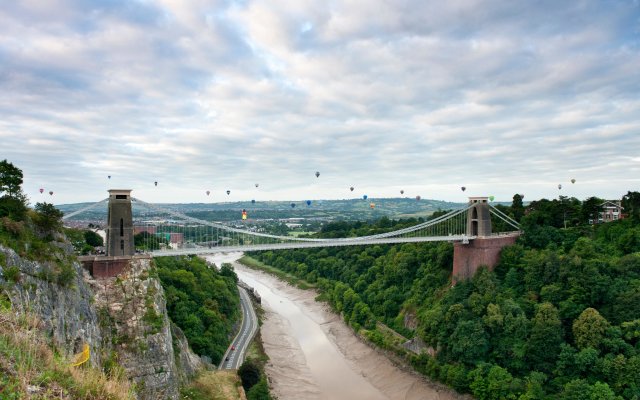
347 209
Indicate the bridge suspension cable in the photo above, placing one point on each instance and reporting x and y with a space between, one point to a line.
407 230
89 207
504 217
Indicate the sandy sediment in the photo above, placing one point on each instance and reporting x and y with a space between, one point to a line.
289 375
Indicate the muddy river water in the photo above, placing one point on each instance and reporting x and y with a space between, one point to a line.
314 355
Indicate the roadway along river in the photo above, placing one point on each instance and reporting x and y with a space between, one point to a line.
314 355
234 356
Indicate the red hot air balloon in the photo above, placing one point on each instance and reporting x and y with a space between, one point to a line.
41 190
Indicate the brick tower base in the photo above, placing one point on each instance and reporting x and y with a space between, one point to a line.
467 258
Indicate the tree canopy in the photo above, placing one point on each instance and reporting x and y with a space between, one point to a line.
558 318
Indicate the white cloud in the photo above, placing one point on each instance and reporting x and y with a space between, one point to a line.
500 97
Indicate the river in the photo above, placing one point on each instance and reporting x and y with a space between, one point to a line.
314 355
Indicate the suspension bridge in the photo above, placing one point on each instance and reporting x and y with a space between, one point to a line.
166 232
159 231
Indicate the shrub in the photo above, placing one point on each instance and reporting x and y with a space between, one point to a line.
11 274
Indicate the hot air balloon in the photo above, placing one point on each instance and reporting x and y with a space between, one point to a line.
491 198
463 188
109 176
228 192
155 183
257 184
208 192
402 192
308 202
364 197
244 214
559 186
41 190
253 202
573 180
418 198
293 205
317 174
50 193
351 188
372 205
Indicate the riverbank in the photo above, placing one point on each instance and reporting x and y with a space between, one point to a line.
292 377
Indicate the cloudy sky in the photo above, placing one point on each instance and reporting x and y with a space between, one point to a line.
502 97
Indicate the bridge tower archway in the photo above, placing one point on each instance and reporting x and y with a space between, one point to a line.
479 217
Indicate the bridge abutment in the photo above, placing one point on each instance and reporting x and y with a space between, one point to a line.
484 249
467 258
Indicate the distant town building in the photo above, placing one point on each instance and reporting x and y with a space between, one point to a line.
151 229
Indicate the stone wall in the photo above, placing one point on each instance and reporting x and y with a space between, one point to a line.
467 258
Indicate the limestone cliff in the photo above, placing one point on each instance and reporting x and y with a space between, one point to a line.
123 319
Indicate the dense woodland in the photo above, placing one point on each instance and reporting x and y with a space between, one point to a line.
558 318
203 302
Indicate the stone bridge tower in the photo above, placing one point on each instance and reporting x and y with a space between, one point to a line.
120 224
484 249
479 217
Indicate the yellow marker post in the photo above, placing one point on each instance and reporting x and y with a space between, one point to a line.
82 357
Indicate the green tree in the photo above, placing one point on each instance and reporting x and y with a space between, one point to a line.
546 337
591 209
93 239
249 373
10 179
631 205
517 208
13 203
48 217
589 329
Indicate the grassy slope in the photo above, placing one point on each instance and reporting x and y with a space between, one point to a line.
214 385
29 368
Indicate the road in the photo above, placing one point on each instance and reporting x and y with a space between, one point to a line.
233 359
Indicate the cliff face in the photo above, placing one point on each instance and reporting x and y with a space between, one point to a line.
132 309
65 311
123 319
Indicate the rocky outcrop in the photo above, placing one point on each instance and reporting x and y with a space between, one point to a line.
188 364
123 319
66 311
132 309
